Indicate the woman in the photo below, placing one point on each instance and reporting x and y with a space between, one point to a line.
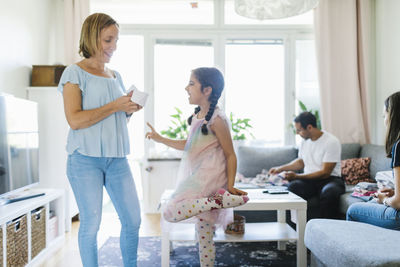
384 209
97 109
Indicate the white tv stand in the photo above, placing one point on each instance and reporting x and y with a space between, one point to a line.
52 200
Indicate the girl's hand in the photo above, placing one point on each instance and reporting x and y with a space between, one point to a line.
235 191
380 197
383 193
388 191
153 134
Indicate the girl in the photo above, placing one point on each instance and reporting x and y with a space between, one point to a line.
383 210
208 166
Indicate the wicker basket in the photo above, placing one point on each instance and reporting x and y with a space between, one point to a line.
17 242
1 246
38 233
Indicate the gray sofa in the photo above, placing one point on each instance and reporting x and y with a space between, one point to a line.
334 242
251 161
338 243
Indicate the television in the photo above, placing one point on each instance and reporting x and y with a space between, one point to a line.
19 147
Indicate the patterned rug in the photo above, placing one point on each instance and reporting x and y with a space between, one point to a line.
252 254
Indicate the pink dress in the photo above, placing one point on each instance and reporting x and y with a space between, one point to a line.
202 171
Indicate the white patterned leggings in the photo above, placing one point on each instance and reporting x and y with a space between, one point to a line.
187 208
175 212
205 233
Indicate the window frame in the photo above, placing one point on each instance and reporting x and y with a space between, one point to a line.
218 33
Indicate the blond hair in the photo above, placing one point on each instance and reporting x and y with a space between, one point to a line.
90 33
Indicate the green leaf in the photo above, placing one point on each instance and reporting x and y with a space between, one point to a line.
178 110
302 106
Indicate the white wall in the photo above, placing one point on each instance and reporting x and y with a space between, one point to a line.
30 35
387 58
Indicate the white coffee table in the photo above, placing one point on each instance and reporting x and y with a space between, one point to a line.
254 232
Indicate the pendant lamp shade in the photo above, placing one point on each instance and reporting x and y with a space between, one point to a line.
273 9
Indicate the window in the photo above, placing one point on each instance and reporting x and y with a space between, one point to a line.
128 60
307 89
254 74
157 11
306 74
268 65
181 56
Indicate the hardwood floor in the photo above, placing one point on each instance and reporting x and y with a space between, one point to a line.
68 255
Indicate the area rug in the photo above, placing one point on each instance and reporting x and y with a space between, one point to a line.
244 254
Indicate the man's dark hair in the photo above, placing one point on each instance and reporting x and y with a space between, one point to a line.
306 118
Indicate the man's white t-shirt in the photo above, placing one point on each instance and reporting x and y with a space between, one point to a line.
326 148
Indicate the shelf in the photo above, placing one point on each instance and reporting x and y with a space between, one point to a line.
52 200
11 211
254 232
37 88
50 248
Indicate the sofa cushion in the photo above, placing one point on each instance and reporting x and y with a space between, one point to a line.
379 161
356 170
252 159
346 200
345 243
351 150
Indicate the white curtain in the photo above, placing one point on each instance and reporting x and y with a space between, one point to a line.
342 33
75 13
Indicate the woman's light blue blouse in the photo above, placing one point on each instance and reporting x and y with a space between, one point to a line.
109 137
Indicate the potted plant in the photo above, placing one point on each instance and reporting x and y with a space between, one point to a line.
240 129
179 129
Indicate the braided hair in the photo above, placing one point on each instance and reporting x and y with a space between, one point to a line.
208 77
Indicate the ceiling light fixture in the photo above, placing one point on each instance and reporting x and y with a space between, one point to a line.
273 9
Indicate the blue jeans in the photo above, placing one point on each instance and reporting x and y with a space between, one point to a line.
374 213
87 176
328 191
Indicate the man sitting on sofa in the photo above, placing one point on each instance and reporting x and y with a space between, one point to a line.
319 156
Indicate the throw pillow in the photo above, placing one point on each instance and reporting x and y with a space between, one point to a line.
356 170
